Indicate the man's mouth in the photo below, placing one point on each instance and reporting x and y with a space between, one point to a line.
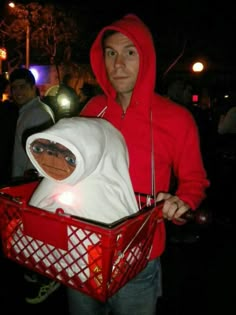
119 78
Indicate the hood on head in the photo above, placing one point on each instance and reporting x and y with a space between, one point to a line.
82 136
132 27
93 141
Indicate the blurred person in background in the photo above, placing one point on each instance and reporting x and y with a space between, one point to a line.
86 93
8 118
34 116
227 122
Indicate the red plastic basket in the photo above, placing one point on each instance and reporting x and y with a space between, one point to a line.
96 259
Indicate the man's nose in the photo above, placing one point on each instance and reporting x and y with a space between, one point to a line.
16 90
119 61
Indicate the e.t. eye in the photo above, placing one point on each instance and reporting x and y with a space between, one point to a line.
71 160
37 148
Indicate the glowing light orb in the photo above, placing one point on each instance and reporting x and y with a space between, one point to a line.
35 74
66 198
198 67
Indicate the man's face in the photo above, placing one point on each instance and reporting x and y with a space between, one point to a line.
122 62
55 159
22 92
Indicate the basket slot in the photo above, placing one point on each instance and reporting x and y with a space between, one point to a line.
45 229
133 232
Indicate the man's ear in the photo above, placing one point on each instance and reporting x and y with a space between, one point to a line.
34 88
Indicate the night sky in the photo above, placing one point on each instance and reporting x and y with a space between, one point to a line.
192 29
204 29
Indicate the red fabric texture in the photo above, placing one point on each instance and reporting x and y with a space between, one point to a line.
174 131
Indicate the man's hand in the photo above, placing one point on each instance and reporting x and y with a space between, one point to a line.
173 207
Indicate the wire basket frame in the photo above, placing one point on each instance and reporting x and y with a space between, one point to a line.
96 259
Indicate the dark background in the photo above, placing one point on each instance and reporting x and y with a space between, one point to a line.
206 29
184 31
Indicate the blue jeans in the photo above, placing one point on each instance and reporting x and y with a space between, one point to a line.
139 296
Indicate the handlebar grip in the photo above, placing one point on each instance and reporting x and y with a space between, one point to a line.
199 216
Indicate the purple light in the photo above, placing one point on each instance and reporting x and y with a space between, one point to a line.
35 73
41 74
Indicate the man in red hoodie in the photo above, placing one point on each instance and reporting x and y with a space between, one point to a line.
162 139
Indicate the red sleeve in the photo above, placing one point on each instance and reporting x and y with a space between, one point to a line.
189 168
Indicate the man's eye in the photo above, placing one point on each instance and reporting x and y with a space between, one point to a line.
132 53
70 160
37 149
110 53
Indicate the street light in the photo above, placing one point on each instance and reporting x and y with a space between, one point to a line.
27 43
27 46
3 56
198 66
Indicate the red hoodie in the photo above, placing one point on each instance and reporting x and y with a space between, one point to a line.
175 135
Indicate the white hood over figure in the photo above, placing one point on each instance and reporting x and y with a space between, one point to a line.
99 188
